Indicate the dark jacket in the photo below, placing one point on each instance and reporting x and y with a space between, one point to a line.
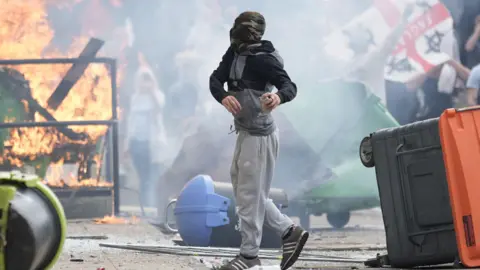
250 74
259 71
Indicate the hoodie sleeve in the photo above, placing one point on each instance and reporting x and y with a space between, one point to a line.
272 70
220 76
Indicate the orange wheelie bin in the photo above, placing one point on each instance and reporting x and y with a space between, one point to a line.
460 140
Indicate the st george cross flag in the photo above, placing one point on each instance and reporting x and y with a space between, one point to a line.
422 46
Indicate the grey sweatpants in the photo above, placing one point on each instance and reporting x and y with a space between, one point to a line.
252 174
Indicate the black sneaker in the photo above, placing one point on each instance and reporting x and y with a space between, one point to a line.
241 263
293 246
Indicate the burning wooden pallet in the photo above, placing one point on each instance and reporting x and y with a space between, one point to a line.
54 142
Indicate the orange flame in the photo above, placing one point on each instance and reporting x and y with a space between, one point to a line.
25 33
58 175
116 220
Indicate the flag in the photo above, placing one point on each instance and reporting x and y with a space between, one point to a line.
423 45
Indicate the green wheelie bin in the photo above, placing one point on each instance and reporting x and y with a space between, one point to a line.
333 119
13 109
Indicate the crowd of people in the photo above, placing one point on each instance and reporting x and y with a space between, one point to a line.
452 84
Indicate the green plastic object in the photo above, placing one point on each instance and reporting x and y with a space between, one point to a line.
26 203
333 118
6 195
11 109
353 187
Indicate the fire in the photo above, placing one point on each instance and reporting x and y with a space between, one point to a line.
59 175
116 220
25 33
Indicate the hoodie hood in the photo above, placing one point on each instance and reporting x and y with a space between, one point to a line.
248 29
263 47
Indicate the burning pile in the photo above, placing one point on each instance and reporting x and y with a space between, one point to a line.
25 34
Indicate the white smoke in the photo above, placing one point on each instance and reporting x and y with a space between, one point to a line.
196 35
295 28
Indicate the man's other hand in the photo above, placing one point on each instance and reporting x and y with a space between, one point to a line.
231 104
270 101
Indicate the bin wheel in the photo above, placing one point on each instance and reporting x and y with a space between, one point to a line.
457 264
378 262
366 153
338 220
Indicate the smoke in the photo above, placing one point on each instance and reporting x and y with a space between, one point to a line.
297 30
184 42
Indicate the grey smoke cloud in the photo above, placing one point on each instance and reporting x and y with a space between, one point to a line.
195 35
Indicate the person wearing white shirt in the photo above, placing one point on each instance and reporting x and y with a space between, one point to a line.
369 67
146 138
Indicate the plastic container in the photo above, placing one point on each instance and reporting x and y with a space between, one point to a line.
459 131
335 116
352 187
34 223
11 108
205 214
414 195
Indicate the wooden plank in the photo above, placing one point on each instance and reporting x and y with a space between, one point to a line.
74 73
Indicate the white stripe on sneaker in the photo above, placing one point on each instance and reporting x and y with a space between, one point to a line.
239 264
244 265
234 265
290 244
289 248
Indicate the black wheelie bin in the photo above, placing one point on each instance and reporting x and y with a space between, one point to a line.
414 195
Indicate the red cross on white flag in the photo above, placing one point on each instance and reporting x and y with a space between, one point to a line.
420 48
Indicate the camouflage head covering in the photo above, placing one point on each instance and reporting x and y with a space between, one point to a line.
248 29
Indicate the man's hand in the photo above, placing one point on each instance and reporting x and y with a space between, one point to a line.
477 28
408 10
270 101
231 104
477 23
472 41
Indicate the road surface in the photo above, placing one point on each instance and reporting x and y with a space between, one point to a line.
364 234
364 237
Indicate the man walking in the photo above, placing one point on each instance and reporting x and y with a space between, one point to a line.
251 67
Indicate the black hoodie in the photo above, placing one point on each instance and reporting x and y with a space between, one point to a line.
260 70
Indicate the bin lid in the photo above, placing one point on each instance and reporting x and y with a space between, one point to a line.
199 209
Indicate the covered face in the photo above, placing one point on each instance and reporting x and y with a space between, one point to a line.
248 29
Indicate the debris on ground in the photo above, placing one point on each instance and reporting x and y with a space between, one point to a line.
88 237
354 241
